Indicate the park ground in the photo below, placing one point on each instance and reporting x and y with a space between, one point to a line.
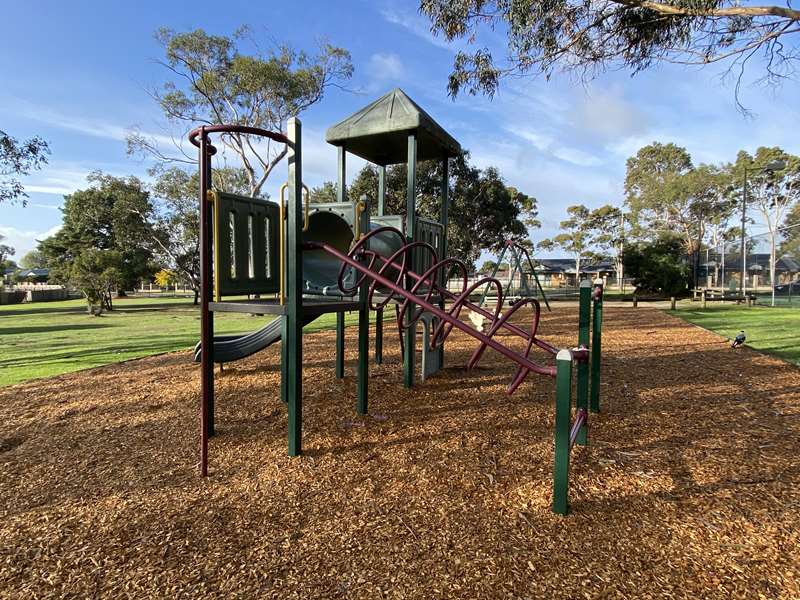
50 338
688 489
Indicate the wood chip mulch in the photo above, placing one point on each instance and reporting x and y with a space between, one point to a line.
690 487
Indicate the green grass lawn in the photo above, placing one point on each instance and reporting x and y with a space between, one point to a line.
49 338
771 330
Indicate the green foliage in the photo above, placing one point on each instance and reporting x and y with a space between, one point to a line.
97 273
586 231
658 266
790 243
6 252
174 223
35 259
103 242
324 194
773 192
588 37
667 193
215 81
19 158
484 211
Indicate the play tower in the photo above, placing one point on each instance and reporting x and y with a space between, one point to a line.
295 260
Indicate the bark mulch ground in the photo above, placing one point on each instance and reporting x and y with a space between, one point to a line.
689 488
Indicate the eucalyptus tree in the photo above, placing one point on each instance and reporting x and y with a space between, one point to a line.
213 80
773 192
666 192
585 37
19 158
577 236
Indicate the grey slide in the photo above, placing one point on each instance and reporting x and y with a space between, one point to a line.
229 348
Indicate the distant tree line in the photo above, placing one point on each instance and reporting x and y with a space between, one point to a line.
673 208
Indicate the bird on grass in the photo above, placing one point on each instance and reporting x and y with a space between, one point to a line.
738 340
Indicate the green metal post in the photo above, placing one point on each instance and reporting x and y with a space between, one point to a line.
582 383
379 313
410 345
562 427
339 345
381 190
284 360
294 290
379 336
597 338
363 332
341 196
444 218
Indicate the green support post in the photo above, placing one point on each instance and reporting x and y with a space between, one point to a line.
379 336
363 331
284 360
582 383
597 337
294 290
410 345
341 196
444 219
379 313
381 190
339 345
562 427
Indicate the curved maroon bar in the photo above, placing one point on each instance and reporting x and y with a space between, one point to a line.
364 260
206 129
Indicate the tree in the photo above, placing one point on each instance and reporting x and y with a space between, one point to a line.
173 234
589 37
666 192
19 158
214 81
34 259
324 194
96 273
487 267
577 237
109 216
484 211
607 224
772 192
6 252
164 278
791 232
658 266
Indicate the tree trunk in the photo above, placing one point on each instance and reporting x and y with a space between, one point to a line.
196 296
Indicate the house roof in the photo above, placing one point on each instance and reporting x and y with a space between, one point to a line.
379 131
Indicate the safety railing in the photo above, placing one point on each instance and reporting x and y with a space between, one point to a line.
571 430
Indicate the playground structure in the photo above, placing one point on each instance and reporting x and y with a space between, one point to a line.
323 258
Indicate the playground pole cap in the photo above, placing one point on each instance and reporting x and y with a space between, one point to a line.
564 354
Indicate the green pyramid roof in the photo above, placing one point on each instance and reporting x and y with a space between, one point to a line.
379 132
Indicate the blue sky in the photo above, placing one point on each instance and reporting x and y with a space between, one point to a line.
76 73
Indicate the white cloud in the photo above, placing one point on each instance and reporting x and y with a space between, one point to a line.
97 128
547 144
386 66
606 114
409 20
24 240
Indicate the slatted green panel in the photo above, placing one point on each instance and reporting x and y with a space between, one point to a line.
431 232
246 245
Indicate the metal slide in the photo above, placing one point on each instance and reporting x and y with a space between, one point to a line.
229 348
